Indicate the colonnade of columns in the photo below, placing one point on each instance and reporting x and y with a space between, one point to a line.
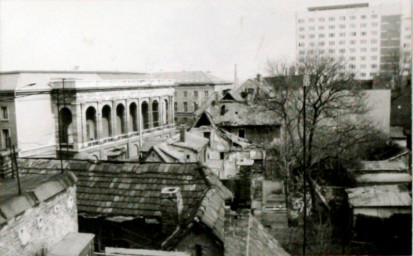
94 121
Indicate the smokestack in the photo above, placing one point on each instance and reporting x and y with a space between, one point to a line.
171 208
182 133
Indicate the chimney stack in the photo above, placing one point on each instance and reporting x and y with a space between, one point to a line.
259 77
182 133
171 208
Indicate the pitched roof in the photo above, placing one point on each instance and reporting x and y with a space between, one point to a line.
241 114
127 189
384 178
379 196
35 189
380 166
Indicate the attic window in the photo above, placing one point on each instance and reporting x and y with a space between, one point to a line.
222 110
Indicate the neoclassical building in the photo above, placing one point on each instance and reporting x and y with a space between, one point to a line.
101 115
111 119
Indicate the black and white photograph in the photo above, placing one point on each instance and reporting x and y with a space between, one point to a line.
205 128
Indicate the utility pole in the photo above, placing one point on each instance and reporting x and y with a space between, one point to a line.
306 83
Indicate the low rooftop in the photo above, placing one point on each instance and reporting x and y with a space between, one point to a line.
132 190
34 188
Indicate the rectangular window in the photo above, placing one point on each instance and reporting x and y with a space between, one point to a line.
363 50
342 42
342 51
342 34
352 17
300 21
301 44
373 49
321 43
374 16
175 94
363 25
4 113
196 94
373 57
352 58
331 27
312 36
301 29
331 51
353 25
342 26
321 27
301 36
363 41
221 155
176 106
311 20
312 28
195 106
333 43
206 93
363 17
185 106
185 94
364 33
4 135
332 19
331 35
241 133
321 36
363 57
363 66
342 17
321 19
373 66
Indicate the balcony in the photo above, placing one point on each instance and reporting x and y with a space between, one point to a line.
127 136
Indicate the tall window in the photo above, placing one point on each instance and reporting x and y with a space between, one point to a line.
195 106
4 113
133 120
196 94
66 125
185 106
106 121
176 106
185 94
4 135
91 129
145 115
155 113
120 119
206 93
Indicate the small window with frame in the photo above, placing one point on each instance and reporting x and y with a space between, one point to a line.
4 113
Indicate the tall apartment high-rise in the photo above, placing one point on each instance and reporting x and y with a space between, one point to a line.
367 39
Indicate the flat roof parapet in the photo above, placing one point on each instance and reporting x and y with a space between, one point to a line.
336 7
83 84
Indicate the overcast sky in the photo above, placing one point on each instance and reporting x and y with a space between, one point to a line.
150 35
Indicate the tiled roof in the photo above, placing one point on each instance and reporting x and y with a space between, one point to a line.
35 189
241 114
260 242
126 189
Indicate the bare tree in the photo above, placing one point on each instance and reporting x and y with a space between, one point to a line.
334 106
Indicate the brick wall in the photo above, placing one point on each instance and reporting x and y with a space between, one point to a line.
40 226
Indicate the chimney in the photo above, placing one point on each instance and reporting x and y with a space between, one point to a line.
171 208
259 77
182 133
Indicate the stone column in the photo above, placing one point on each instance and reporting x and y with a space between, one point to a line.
139 116
84 126
150 115
172 109
127 117
113 119
99 120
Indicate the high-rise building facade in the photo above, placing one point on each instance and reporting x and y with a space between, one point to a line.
364 38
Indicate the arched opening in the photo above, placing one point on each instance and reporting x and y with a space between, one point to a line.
165 112
145 115
66 126
106 121
91 129
155 113
120 119
133 120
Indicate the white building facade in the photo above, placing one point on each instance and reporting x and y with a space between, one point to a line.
360 36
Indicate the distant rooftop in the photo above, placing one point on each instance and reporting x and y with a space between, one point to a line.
336 7
189 77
